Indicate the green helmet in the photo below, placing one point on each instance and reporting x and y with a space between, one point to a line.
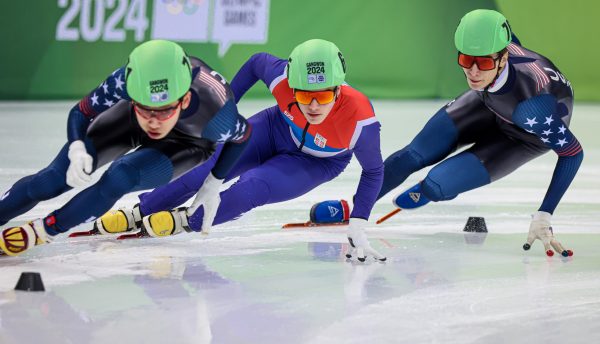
316 64
158 73
482 32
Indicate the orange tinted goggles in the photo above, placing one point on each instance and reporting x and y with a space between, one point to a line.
161 115
322 97
482 62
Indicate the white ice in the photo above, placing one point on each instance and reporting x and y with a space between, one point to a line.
251 282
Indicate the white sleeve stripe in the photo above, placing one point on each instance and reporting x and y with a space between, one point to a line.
320 154
358 129
277 80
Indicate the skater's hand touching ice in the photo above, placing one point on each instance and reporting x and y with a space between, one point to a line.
540 228
361 248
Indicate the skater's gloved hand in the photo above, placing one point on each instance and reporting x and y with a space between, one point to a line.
208 197
80 168
540 228
361 248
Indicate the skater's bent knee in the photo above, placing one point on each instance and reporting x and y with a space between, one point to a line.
406 157
436 190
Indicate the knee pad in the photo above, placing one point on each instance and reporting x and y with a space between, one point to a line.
406 158
397 167
46 184
119 179
434 190
454 176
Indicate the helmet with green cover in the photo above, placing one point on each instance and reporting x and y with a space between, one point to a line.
158 73
482 32
316 64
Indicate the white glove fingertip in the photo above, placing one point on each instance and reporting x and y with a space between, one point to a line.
360 254
88 164
559 248
206 226
548 249
209 216
351 252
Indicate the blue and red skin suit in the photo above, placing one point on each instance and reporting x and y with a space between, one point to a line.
286 157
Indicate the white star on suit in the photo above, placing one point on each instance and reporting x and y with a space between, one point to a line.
531 121
225 137
105 87
94 99
562 129
549 120
547 132
116 95
108 102
561 142
545 140
119 82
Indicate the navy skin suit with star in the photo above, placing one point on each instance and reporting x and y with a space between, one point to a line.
525 113
106 122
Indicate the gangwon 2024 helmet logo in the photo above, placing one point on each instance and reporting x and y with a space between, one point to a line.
159 90
315 72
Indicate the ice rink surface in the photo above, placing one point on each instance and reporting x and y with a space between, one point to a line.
251 282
